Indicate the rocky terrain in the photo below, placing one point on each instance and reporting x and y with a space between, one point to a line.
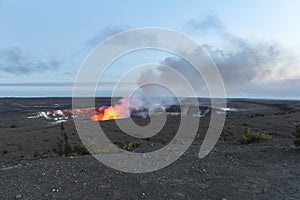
239 167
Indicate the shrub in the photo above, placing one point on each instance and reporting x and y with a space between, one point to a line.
228 134
253 136
198 137
36 154
296 135
80 150
132 145
63 147
62 144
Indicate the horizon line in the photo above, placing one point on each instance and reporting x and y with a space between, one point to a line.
203 97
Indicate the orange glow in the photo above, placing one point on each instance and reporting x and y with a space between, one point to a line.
106 114
118 111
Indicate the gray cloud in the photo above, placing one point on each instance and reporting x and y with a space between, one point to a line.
105 33
241 59
245 64
14 61
170 76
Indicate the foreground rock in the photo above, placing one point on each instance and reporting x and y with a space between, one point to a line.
267 169
255 171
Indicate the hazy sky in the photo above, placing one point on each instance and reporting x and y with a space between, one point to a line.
255 44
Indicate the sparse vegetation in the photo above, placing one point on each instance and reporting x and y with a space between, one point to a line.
132 145
80 150
254 136
36 154
63 147
296 135
199 137
46 153
228 135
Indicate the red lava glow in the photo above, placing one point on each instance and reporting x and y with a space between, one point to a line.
112 112
106 114
117 111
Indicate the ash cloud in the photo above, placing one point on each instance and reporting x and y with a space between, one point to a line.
14 61
168 73
244 64
244 60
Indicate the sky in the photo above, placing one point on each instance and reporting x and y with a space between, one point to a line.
255 44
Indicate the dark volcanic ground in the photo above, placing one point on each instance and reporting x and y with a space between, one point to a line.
263 170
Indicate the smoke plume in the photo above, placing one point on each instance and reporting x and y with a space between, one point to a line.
245 64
